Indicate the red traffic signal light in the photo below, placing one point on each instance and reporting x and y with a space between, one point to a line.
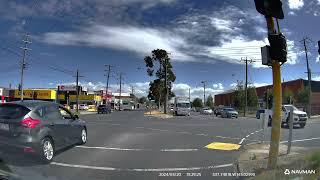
270 8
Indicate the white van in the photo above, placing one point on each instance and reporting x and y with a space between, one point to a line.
182 106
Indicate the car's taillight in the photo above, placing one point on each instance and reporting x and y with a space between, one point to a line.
30 123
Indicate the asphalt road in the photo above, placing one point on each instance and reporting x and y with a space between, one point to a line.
128 145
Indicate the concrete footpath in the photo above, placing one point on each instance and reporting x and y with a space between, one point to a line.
254 158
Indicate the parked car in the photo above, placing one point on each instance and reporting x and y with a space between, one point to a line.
83 107
299 117
207 110
229 113
259 112
104 109
218 111
39 127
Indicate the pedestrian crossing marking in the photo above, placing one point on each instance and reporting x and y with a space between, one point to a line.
223 146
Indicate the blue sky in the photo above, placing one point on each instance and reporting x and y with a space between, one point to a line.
206 40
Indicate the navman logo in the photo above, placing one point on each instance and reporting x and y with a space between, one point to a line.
287 172
299 171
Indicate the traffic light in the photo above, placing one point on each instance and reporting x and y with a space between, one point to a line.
270 8
278 47
319 47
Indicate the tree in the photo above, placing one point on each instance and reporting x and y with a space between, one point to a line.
160 87
197 102
303 96
209 101
142 100
288 97
252 97
239 96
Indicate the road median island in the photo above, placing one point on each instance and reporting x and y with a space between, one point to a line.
301 163
157 114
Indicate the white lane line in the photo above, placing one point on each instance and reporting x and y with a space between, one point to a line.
111 148
138 170
252 133
224 137
178 150
301 140
140 127
183 132
201 134
247 136
242 141
128 149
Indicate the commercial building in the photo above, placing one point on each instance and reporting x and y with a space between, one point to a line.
227 98
6 95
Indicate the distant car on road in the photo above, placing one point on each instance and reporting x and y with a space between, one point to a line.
229 113
104 109
207 111
39 127
259 112
218 111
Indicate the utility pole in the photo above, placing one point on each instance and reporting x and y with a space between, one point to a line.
77 91
120 91
108 76
189 96
204 92
23 65
132 90
166 87
246 85
309 74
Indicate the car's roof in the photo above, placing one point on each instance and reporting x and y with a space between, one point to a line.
31 104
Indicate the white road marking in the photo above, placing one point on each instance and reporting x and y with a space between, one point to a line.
139 170
227 137
183 132
140 127
128 149
242 141
201 134
247 135
252 133
111 148
178 150
301 140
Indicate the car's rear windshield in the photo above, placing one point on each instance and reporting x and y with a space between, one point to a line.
12 111
229 109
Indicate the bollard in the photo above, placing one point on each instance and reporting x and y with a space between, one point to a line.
290 130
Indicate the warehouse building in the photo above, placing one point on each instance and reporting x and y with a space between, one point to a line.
294 86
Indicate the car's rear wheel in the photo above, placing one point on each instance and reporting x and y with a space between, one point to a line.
84 137
47 150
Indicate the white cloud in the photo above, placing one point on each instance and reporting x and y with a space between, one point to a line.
291 13
318 58
181 89
139 40
223 25
218 86
317 78
232 51
295 4
259 84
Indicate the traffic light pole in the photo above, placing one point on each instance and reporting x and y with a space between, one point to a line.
277 101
